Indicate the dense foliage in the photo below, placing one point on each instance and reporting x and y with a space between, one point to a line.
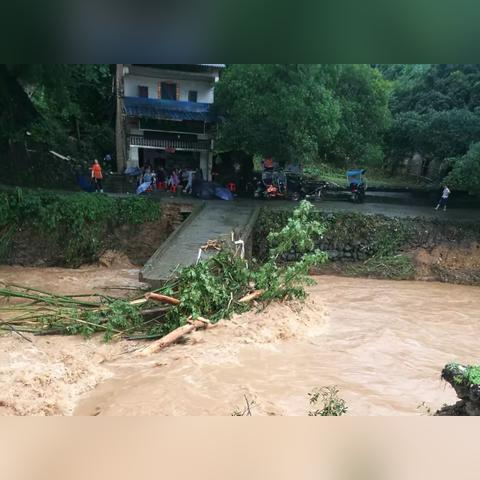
303 112
465 172
365 115
436 113
78 223
61 107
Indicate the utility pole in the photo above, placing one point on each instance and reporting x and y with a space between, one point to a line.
119 123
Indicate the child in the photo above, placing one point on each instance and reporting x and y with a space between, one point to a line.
173 181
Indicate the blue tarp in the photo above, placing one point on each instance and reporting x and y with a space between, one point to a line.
167 109
143 187
207 190
85 183
223 193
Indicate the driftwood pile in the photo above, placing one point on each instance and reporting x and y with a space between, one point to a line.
191 326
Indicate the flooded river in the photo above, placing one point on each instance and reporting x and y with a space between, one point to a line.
383 343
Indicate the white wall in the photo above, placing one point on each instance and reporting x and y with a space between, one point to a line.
204 88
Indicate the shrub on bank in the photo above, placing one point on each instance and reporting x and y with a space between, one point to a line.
76 224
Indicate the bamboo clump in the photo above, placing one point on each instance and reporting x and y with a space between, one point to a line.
31 310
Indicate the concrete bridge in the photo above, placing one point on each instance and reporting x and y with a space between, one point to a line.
208 221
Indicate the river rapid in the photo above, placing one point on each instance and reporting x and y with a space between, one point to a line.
383 343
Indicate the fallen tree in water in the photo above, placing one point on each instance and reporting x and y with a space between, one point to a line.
212 289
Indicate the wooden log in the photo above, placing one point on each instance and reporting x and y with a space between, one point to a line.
151 312
139 301
162 298
174 336
252 296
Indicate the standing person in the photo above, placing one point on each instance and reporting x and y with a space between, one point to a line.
97 176
173 181
108 162
161 178
188 188
443 199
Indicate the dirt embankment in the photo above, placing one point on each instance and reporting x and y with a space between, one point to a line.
449 263
137 242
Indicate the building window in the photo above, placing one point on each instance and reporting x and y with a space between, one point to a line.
168 91
142 91
192 96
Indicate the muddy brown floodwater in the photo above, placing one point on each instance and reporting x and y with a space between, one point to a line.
383 343
47 375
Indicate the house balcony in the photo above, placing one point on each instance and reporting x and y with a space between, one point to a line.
175 110
170 144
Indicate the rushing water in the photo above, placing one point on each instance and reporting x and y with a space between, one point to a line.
383 343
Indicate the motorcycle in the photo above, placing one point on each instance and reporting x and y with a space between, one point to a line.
271 185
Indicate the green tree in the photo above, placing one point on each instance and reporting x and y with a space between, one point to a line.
435 110
73 104
338 112
282 110
76 106
363 96
465 174
66 108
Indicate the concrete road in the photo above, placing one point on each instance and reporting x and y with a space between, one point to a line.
388 209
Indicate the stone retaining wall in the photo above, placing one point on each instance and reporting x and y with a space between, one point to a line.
356 237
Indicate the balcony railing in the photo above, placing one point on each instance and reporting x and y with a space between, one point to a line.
164 144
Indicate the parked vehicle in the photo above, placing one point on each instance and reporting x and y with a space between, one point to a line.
301 188
357 184
271 185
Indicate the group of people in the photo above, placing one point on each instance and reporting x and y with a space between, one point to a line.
160 179
163 180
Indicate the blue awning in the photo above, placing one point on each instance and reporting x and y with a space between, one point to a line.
167 109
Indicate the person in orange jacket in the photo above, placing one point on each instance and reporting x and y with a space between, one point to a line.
97 176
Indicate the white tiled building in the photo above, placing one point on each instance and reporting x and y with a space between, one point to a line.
167 114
